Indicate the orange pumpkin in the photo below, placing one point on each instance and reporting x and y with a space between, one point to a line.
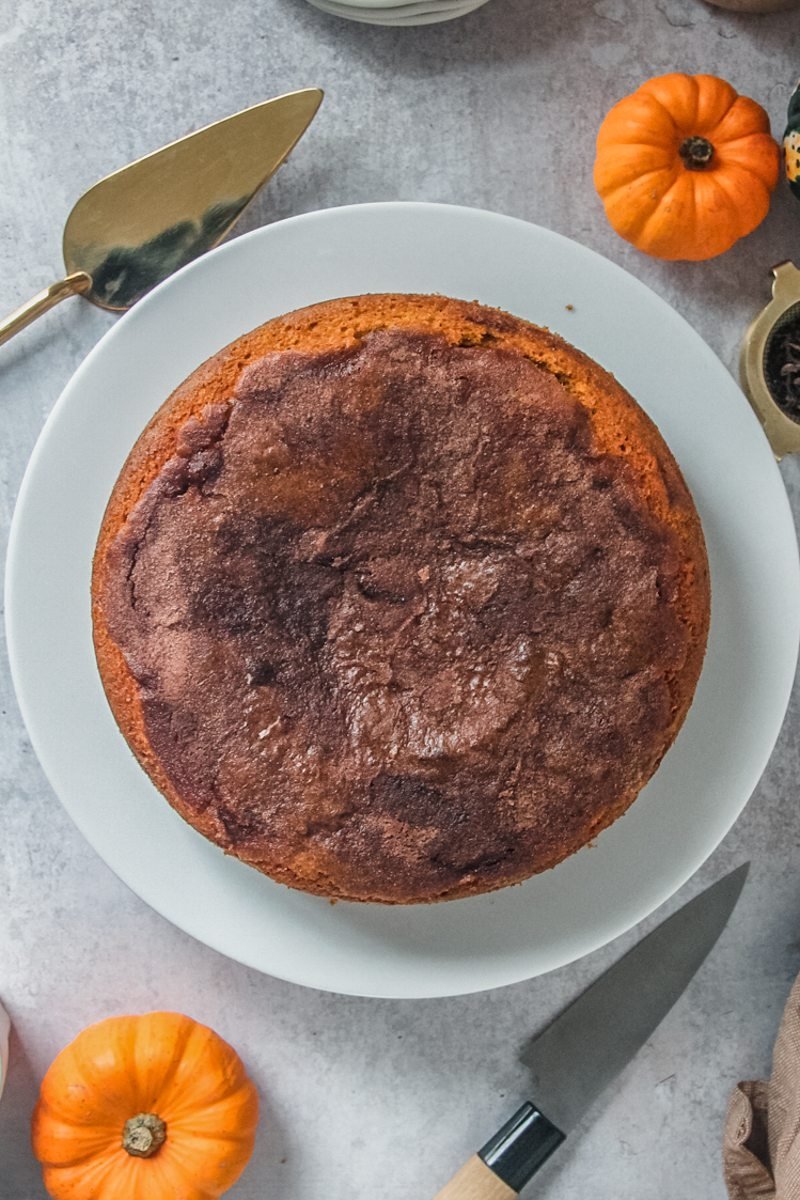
155 1107
685 166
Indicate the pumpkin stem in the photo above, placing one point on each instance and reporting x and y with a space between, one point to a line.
143 1135
696 152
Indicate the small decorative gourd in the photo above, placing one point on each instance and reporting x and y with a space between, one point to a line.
791 142
155 1107
685 166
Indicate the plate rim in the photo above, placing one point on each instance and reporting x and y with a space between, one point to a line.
501 979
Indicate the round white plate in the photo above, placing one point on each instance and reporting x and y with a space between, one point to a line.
389 6
352 13
418 8
704 781
388 16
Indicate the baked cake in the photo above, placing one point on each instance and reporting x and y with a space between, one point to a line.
400 598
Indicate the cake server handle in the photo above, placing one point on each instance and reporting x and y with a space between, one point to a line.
74 285
500 1170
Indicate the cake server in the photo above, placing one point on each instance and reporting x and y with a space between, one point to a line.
587 1046
135 227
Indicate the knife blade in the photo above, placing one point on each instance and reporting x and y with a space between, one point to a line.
585 1048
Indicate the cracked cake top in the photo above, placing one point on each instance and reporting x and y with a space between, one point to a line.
395 621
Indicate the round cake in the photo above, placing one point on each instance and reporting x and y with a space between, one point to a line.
400 598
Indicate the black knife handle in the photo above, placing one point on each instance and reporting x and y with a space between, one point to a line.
516 1151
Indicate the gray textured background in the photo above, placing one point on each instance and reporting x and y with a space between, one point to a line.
372 1098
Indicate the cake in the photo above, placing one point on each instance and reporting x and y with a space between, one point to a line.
400 599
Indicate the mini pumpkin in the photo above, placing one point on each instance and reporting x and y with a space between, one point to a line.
153 1107
685 166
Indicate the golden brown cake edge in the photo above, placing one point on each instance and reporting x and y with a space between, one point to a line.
615 419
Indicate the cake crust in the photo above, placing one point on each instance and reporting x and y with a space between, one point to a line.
400 598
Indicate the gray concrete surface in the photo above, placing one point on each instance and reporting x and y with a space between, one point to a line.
366 1099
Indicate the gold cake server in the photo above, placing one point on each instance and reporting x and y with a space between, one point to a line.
135 227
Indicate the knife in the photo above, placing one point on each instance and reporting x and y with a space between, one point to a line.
586 1047
135 227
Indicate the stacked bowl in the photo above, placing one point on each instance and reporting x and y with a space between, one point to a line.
398 12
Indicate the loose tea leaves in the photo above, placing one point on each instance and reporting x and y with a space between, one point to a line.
782 365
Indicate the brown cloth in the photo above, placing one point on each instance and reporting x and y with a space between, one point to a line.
761 1152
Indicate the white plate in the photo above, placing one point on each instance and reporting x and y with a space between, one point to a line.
704 781
418 8
354 13
389 5
375 16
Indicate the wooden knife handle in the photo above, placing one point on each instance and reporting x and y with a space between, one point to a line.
501 1168
475 1181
